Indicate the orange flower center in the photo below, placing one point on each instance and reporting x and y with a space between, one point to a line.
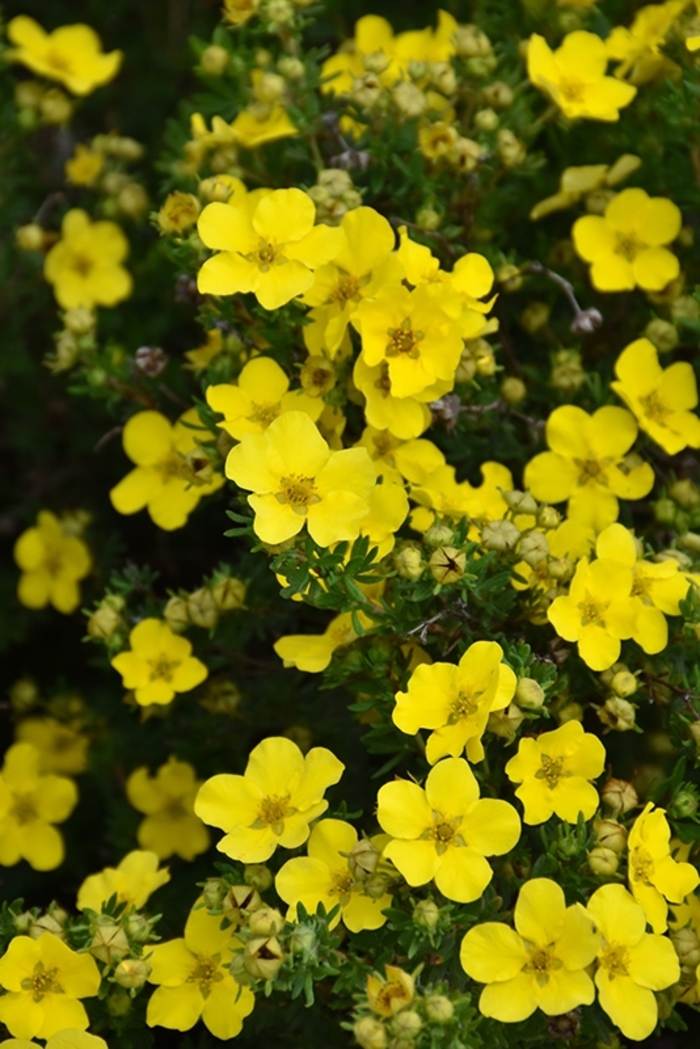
615 960
298 492
42 982
404 340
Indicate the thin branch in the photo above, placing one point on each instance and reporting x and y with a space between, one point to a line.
585 321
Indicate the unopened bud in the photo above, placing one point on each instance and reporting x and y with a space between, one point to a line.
533 548
201 608
561 569
529 694
610 835
687 946
132 973
521 502
138 927
447 565
258 876
370 1033
104 623
619 796
513 390
46 923
665 511
179 212
500 535
363 859
685 493
214 892
408 562
263 957
426 914
24 695
624 683
229 594
439 534
267 921
109 943
603 861
617 714
240 901
505 723
499 95
214 60
690 541
406 1024
663 334
486 119
439 1008
30 237
175 614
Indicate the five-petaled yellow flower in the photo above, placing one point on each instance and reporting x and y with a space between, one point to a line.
296 479
445 831
71 54
261 394
44 980
30 803
52 562
135 878
662 399
271 251
541 964
195 981
574 77
338 870
159 664
654 875
273 803
167 801
455 701
625 246
554 770
85 265
632 963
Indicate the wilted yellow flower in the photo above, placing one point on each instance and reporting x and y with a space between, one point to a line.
273 803
52 563
85 266
71 54
133 881
179 212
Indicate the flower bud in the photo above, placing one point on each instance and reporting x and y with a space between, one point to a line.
214 892
109 943
498 94
619 796
426 914
570 712
179 212
30 237
406 1023
138 927
603 861
685 307
529 694
690 541
567 372
132 200
240 901
201 608
267 921
684 804
229 594
513 390
509 276
439 534
561 569
500 535
263 957
447 565
471 42
610 834
291 68
118 1003
408 562
409 99
132 973
55 107
221 697
317 376
533 548
24 695
175 614
28 94
685 493
363 859
214 60
279 12
663 335
302 940
617 714
258 876
486 119
79 320
505 723
439 1008
104 623
624 683
46 923
687 946
370 1033
510 149
375 886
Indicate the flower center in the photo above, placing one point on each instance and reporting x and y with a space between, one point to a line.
551 770
299 492
641 587
444 832
572 90
592 611
654 407
57 61
628 245
42 982
264 414
272 812
162 668
383 383
591 471
81 264
266 255
24 810
404 340
615 960
343 882
175 809
541 963
642 864
348 287
206 972
462 706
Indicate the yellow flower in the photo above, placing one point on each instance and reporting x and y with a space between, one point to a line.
657 588
365 263
254 127
404 417
271 251
625 245
586 464
574 77
135 879
638 48
69 1038
71 54
195 982
313 652
577 182
373 36
445 831
654 876
417 333
541 965
554 770
167 458
52 563
239 11
167 799
260 396
179 212
84 166
159 664
30 802
273 803
61 748
44 980
389 996
203 355
331 875
455 701
661 398
296 480
598 612
632 964
85 265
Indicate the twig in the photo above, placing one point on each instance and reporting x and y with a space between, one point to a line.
107 437
585 321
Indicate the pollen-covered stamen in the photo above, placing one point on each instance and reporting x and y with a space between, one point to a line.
42 981
403 340
551 770
641 865
591 471
273 811
162 668
24 809
343 883
628 245
444 832
298 492
266 255
541 962
615 959
347 288
206 972
263 414
593 611
462 706
654 407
